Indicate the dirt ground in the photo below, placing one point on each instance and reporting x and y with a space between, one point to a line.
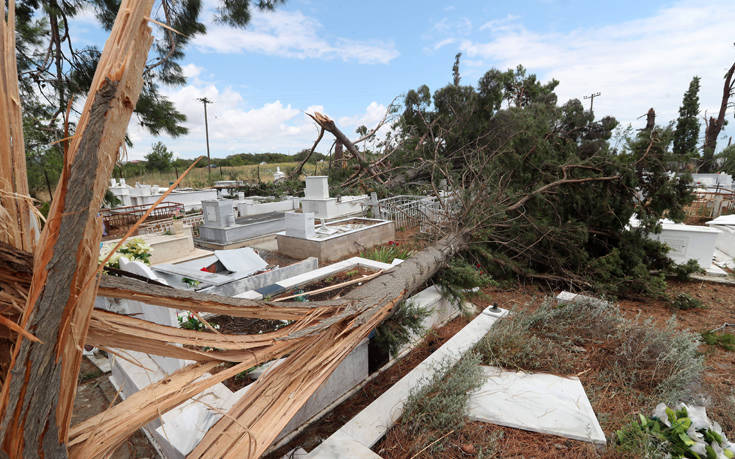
613 408
95 394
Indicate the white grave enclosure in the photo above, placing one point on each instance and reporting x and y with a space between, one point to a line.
316 200
687 242
176 433
256 205
148 194
726 239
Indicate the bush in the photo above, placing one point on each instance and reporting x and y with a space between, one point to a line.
723 339
660 362
683 271
439 405
685 302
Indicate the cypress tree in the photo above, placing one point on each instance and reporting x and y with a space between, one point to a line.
686 134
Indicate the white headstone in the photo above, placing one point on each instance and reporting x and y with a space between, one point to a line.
300 225
317 187
219 213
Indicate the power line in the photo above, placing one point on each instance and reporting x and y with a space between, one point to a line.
206 101
591 97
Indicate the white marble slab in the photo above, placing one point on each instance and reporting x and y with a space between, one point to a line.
370 424
538 402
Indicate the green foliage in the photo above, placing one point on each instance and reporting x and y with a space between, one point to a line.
387 253
159 159
459 278
673 436
723 339
686 134
193 283
683 271
53 68
726 160
404 323
541 191
189 321
685 302
439 405
110 200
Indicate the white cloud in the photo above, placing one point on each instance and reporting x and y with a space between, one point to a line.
234 127
636 64
292 34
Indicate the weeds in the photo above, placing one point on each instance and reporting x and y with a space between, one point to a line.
439 405
662 363
387 253
723 339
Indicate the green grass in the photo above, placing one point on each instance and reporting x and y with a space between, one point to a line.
386 253
197 177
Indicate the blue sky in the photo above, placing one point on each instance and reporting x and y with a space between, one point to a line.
350 59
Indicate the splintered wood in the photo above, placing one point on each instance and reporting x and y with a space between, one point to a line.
53 302
17 221
39 390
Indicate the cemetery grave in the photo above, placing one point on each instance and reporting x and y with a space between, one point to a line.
242 352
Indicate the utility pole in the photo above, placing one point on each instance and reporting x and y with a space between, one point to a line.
591 97
206 101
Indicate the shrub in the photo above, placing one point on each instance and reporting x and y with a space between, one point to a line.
723 339
661 362
683 271
685 302
439 405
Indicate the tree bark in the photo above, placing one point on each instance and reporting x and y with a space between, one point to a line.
713 126
38 394
256 419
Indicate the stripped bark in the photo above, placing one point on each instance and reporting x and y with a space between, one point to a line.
38 393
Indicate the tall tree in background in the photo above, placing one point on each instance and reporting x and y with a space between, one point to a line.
715 125
686 134
160 159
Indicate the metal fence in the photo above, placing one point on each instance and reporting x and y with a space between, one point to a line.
118 220
161 226
410 211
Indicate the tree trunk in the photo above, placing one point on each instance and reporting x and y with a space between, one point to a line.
256 419
38 394
713 126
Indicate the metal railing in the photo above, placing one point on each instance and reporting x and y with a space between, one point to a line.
117 221
410 211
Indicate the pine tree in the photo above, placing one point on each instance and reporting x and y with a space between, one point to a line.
686 134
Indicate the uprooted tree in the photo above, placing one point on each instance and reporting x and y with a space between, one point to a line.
536 190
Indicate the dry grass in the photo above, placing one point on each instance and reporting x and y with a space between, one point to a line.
197 178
